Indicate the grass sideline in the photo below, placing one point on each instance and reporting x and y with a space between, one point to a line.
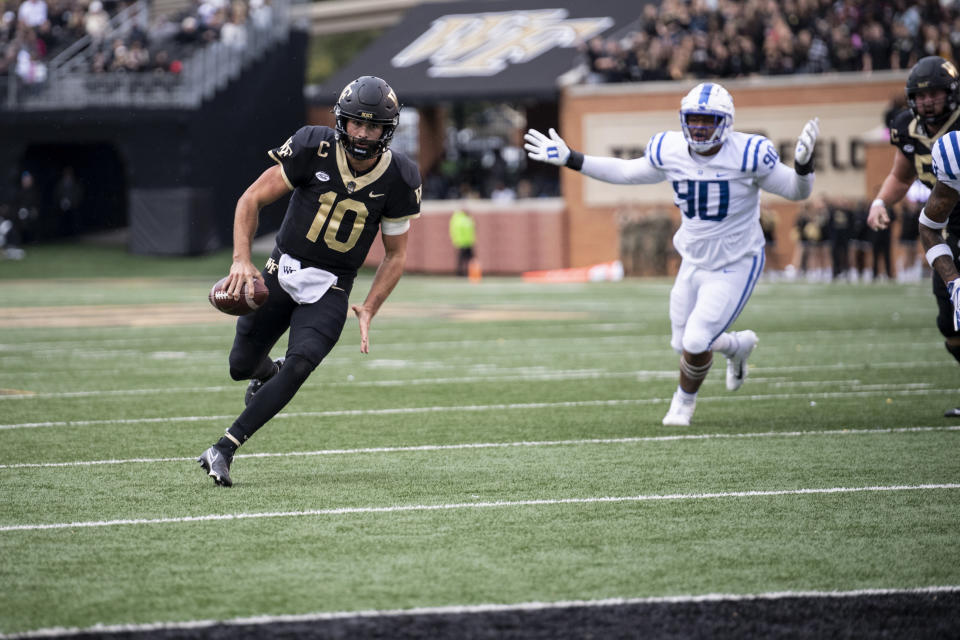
501 444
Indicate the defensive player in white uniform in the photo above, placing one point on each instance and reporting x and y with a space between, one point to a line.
936 213
717 174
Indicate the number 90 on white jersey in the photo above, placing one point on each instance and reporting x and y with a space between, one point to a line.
718 196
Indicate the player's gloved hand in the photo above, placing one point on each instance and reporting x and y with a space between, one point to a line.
806 141
953 288
552 150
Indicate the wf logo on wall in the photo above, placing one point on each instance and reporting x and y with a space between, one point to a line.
483 44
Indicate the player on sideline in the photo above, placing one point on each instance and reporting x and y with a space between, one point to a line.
933 95
940 211
347 185
717 174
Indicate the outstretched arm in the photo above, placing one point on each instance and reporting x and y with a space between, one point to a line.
553 150
386 278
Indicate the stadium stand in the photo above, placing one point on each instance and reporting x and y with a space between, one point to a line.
726 39
177 59
148 109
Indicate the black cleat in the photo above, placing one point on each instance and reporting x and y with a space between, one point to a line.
217 466
952 413
256 383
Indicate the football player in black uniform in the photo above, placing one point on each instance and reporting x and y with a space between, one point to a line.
347 185
933 95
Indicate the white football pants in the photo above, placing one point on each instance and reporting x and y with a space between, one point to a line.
704 303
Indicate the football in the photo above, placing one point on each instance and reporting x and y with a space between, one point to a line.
247 303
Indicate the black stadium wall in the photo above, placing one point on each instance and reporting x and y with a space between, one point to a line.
171 176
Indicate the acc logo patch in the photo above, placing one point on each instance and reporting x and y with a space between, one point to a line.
322 176
908 148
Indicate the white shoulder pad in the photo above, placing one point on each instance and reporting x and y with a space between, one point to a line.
664 145
946 160
755 153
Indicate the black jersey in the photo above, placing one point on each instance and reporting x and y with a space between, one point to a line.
333 215
908 136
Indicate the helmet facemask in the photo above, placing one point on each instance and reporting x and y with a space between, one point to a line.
703 137
930 74
371 100
362 149
708 99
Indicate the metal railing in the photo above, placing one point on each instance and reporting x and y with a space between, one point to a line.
71 84
79 54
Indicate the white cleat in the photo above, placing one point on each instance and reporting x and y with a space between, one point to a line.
737 363
680 412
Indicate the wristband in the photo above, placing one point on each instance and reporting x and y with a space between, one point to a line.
575 161
938 250
931 224
878 201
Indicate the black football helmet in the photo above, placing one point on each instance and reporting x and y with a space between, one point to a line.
367 99
933 72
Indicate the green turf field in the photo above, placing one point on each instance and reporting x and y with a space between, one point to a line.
500 444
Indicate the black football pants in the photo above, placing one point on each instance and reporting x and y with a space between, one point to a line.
314 330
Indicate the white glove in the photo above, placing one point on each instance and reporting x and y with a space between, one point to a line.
953 288
552 150
808 138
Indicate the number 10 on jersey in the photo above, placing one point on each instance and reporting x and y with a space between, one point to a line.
336 215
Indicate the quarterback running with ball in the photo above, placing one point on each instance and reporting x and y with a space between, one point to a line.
717 175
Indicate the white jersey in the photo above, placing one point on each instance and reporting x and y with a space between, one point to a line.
946 160
718 196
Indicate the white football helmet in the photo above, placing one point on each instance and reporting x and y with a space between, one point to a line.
707 98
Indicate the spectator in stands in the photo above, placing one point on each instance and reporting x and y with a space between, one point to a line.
724 38
138 58
502 193
189 33
234 32
32 13
8 26
593 52
96 21
877 52
904 49
261 13
30 69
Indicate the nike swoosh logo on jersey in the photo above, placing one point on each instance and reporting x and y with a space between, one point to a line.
720 175
375 195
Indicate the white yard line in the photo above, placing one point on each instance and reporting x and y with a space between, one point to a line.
498 445
478 609
574 374
471 505
893 390
220 337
